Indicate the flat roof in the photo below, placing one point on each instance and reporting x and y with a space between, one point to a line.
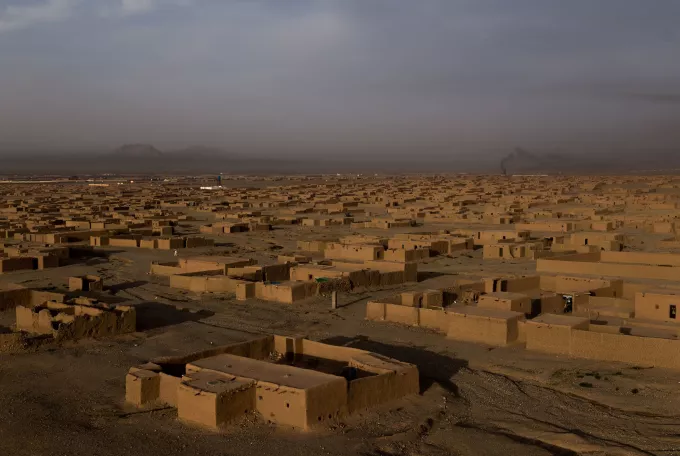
279 374
216 382
215 259
629 322
484 312
504 295
657 333
538 293
559 320
660 292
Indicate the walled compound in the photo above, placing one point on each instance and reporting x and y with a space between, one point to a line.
288 381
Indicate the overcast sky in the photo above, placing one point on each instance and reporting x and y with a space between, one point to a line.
318 76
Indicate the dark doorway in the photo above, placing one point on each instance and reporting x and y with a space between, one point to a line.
672 312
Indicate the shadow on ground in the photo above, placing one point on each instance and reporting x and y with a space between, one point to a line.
424 275
225 244
113 289
152 315
361 297
433 367
105 298
88 256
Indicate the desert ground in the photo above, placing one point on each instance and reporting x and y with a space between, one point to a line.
68 397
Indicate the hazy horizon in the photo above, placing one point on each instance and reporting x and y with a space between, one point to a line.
306 77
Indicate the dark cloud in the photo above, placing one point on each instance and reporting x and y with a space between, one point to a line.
322 76
661 98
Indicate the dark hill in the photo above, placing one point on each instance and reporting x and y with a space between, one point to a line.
137 150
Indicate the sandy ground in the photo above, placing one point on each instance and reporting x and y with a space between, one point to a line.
68 400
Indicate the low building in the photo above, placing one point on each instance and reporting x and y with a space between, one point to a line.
68 321
288 381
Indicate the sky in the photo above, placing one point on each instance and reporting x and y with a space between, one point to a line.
315 77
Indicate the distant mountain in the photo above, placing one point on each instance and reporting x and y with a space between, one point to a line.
623 161
137 151
147 159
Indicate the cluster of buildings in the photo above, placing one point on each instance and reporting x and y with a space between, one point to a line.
42 229
604 281
81 311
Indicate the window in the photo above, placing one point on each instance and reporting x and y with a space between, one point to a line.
672 312
586 241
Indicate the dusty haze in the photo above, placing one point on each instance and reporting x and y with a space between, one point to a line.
440 78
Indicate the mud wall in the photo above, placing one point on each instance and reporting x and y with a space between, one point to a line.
641 351
565 265
482 329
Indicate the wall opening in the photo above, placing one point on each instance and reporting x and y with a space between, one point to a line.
500 252
672 312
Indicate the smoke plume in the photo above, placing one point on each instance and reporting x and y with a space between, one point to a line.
528 161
